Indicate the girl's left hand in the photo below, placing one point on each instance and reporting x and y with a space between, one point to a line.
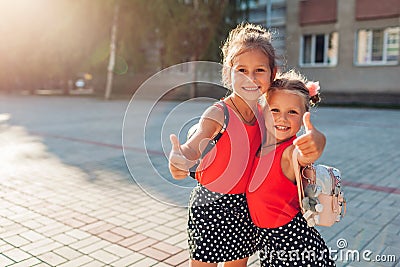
311 144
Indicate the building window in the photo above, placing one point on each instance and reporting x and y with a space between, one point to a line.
319 49
378 46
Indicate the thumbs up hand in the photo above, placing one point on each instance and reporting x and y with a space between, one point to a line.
311 144
178 164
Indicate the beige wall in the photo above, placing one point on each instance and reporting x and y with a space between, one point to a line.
345 76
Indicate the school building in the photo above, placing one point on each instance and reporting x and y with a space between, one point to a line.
350 46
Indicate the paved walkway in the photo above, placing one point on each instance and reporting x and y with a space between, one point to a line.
69 196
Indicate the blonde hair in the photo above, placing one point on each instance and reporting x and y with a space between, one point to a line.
243 38
294 82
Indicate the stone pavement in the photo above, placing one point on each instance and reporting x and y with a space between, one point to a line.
71 195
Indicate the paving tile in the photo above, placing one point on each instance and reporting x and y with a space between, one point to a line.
129 260
178 258
28 262
84 242
64 239
32 224
103 227
77 262
63 214
183 244
104 256
126 217
171 217
73 222
86 219
185 264
51 258
47 247
94 263
115 220
4 261
110 236
155 234
105 214
67 252
136 223
5 247
144 227
16 254
176 239
53 229
5 221
93 225
117 250
171 231
155 253
132 240
95 246
16 240
143 244
78 234
32 235
12 230
42 264
144 262
121 231
176 224
165 247
162 264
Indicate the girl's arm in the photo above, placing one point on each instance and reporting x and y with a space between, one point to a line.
209 126
184 156
287 164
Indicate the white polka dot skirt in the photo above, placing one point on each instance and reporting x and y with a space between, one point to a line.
294 244
219 227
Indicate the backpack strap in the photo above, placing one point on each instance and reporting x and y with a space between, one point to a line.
211 144
299 182
226 121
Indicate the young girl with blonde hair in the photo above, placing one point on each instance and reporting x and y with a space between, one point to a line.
285 238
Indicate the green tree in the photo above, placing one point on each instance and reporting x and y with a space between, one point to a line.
46 40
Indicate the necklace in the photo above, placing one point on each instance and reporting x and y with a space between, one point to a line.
275 144
248 122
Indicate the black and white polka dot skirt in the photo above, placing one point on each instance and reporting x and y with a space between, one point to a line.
219 227
294 244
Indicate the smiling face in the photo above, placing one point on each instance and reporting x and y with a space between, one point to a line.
251 74
287 110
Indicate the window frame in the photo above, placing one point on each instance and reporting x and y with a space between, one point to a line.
313 50
370 62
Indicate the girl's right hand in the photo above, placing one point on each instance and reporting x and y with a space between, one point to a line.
179 165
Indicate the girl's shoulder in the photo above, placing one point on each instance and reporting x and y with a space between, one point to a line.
211 122
214 113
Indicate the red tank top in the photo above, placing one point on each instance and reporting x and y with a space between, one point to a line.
226 168
271 196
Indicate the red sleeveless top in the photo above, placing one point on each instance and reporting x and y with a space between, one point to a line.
271 196
226 168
